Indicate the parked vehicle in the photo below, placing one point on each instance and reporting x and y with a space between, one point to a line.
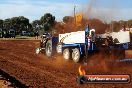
11 33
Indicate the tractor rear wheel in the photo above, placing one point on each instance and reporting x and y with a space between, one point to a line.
37 50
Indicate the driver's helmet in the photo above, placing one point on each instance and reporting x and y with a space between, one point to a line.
46 35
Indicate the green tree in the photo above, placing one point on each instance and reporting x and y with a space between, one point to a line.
36 24
24 23
6 23
20 24
47 21
1 23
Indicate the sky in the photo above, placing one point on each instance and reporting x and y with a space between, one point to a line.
106 10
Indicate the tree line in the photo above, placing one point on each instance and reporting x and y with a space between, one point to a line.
48 23
22 23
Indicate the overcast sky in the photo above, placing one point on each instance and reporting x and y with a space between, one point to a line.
33 9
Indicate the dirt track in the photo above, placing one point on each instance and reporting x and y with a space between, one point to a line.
18 58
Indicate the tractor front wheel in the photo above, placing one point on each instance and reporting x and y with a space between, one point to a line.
48 49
